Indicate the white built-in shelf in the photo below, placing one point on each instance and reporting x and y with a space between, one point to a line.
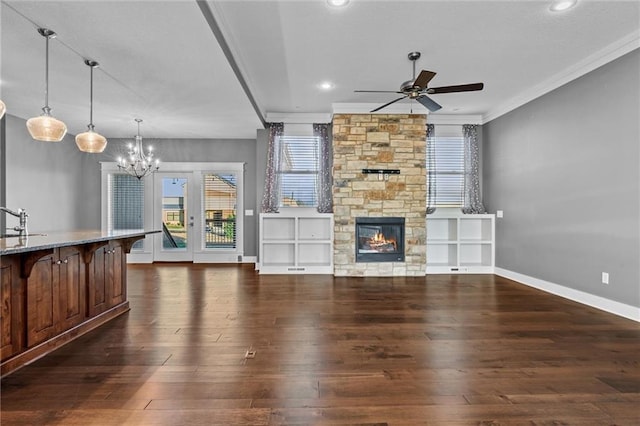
296 241
459 243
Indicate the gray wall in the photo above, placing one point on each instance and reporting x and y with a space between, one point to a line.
60 186
3 171
45 178
565 168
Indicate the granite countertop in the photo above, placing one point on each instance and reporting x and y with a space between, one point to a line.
48 240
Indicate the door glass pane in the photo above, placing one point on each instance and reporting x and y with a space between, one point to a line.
174 213
219 203
126 205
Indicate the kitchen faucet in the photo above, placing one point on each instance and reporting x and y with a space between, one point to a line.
22 215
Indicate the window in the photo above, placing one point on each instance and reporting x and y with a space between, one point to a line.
219 201
448 162
298 171
125 204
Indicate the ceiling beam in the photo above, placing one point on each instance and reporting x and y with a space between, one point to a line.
217 32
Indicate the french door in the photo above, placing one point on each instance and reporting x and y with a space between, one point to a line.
174 214
197 207
199 211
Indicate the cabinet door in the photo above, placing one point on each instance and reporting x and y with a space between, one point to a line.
97 282
11 299
116 278
71 286
42 301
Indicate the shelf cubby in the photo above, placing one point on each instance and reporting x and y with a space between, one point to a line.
458 243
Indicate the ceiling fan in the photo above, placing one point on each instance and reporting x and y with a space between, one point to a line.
417 89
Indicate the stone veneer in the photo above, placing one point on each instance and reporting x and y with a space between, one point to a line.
377 141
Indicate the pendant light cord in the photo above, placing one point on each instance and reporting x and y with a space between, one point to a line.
91 100
46 78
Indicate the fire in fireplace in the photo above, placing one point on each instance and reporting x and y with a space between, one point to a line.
379 239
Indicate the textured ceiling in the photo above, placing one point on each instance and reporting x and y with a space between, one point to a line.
160 61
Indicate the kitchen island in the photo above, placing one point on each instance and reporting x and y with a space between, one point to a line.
58 286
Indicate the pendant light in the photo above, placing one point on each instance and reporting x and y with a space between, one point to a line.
3 108
45 127
91 141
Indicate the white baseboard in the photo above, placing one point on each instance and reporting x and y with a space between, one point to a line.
249 259
607 305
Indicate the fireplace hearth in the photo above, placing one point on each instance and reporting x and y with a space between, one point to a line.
379 239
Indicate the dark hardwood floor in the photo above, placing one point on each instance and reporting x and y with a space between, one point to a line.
440 350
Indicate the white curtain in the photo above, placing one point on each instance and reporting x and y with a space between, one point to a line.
325 168
431 169
472 198
270 198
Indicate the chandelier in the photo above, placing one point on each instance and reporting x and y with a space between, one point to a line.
138 163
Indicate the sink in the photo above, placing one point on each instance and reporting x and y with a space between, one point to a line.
18 235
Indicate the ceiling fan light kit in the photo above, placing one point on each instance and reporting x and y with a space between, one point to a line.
45 127
417 89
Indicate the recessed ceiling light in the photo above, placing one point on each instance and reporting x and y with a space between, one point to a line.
326 85
559 6
337 3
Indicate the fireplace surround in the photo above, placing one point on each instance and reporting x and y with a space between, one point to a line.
379 239
382 142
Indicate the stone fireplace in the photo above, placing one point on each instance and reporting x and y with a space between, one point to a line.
395 147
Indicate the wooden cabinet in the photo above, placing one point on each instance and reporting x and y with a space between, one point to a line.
55 289
106 278
11 307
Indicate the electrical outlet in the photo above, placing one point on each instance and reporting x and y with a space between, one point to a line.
605 278
500 213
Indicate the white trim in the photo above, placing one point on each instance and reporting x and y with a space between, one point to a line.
607 305
450 119
298 117
250 259
365 108
601 57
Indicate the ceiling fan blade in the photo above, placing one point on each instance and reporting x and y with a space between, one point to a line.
387 104
458 88
429 103
376 91
424 78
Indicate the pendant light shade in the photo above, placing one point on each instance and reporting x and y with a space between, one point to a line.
3 108
90 141
46 128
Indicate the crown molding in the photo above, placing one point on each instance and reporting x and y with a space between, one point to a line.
365 108
596 60
451 119
298 117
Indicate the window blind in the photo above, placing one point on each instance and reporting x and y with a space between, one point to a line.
449 174
125 195
219 201
298 170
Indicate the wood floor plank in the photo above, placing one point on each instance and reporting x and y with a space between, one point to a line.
438 350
